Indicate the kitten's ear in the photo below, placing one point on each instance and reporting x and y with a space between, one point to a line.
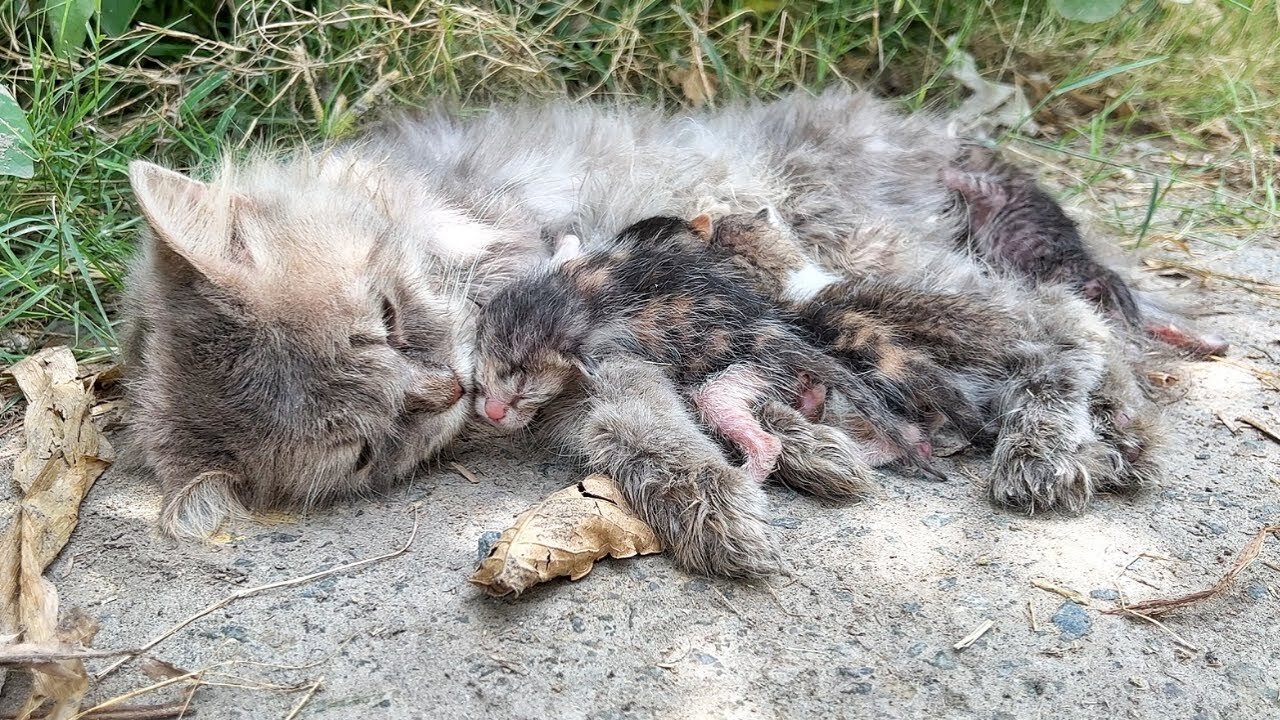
587 365
191 222
701 226
769 215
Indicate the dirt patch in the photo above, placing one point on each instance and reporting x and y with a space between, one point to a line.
883 591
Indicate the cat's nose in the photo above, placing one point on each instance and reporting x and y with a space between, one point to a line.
435 392
495 410
457 391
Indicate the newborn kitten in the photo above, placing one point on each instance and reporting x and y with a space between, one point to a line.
1013 221
656 295
1052 392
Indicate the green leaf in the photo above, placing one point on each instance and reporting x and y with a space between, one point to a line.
69 22
15 138
115 15
1088 11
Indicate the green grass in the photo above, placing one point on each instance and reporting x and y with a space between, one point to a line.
189 81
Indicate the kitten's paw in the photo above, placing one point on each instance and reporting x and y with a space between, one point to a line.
817 459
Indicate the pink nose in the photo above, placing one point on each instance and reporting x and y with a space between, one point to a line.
495 410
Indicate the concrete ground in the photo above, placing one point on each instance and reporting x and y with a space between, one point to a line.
883 590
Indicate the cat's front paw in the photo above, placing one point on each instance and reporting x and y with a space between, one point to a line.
1040 480
725 532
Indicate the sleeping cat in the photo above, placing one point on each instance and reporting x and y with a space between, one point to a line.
301 327
1041 385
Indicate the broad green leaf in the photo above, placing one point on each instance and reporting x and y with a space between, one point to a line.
15 138
115 15
69 22
1088 11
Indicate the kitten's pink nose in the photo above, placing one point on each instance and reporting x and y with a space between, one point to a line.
495 410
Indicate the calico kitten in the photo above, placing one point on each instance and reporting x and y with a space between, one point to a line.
1015 223
1043 390
656 296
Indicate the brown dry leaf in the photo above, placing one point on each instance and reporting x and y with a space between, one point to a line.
563 536
697 86
62 455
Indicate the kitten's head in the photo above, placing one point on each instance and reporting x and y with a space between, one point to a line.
288 343
761 243
529 349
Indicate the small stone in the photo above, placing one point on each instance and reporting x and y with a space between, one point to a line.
1104 594
938 520
948 583
1173 690
1214 526
697 585
1138 681
282 537
789 523
912 607
578 624
386 702
706 659
943 661
1072 620
858 688
235 632
916 649
1202 456
1257 591
485 544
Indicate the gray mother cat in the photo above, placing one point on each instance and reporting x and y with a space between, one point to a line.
302 328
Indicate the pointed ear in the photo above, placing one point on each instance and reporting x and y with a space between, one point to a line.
771 216
587 365
191 221
701 226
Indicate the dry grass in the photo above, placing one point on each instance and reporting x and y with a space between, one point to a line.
191 80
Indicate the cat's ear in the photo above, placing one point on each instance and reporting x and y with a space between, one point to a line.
701 227
192 223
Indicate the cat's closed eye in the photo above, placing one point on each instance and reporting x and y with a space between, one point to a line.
393 335
364 458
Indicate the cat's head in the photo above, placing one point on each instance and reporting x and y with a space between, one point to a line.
529 349
289 341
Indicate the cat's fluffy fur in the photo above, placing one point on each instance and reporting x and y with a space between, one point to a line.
299 325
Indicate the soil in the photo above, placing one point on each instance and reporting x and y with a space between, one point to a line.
866 627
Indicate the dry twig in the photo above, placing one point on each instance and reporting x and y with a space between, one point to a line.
247 592
1160 606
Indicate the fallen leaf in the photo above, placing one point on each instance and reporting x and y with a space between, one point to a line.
991 106
63 454
696 84
563 536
